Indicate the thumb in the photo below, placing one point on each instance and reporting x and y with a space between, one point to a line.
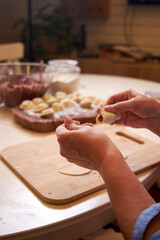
121 107
70 124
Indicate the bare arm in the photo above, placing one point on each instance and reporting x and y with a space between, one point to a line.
128 196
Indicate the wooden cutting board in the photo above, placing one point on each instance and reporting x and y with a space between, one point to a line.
37 163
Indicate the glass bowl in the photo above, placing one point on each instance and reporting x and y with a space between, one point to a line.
20 81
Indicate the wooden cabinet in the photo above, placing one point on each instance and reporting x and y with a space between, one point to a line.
143 70
85 8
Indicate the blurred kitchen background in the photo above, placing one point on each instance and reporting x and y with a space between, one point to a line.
116 37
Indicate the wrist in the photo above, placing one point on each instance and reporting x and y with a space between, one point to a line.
155 122
113 158
155 127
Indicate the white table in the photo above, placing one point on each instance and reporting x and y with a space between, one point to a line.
24 216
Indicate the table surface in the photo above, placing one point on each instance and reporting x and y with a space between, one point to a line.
22 213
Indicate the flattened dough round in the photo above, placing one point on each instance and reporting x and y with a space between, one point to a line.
73 170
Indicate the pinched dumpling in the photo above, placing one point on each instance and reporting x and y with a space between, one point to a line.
40 107
68 103
37 100
34 114
51 100
47 112
107 117
47 96
57 106
27 105
77 96
85 103
60 95
91 97
97 101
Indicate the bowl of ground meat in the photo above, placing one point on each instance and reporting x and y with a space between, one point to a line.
21 81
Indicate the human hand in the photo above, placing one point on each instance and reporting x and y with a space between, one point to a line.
84 145
136 110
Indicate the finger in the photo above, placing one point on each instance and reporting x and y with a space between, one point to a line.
121 107
61 130
122 96
87 124
76 122
100 106
119 97
70 124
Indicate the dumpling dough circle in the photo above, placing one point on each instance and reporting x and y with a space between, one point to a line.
73 170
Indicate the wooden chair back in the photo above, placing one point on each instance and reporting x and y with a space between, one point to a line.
11 51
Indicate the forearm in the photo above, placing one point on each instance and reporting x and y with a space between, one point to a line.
128 196
155 127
